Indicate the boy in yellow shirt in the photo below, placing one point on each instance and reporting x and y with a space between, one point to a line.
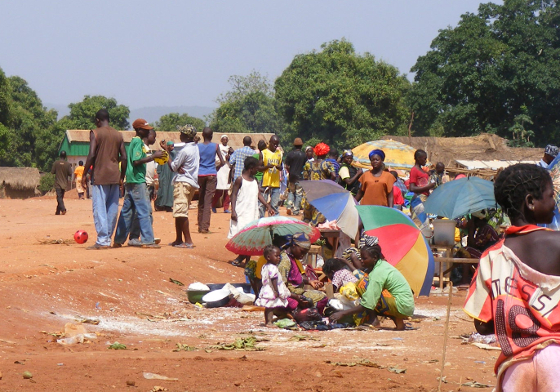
270 162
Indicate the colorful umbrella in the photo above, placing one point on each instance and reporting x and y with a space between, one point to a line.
554 169
254 237
397 155
402 244
461 197
334 202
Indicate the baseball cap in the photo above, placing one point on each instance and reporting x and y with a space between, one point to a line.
140 123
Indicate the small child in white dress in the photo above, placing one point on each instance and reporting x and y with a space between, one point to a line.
274 293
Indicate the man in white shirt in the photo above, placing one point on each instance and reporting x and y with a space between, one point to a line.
185 183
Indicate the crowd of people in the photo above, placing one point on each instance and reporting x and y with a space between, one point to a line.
513 293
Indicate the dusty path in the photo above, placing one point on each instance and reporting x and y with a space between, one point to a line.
45 286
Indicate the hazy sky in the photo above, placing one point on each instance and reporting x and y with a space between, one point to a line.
171 53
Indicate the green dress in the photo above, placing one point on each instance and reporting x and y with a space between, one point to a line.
165 190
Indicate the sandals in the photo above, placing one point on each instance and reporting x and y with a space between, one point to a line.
183 245
237 263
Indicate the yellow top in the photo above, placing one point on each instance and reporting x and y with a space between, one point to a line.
271 177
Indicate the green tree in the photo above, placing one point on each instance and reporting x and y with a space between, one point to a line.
341 97
82 114
496 65
248 107
169 122
29 135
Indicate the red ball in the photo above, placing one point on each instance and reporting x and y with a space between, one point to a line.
81 237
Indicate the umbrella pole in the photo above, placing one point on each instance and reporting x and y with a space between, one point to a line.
445 334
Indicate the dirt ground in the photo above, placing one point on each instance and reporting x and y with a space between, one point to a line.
128 292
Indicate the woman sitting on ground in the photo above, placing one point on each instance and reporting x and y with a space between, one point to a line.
516 287
384 291
294 276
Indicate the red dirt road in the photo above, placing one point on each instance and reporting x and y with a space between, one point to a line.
44 286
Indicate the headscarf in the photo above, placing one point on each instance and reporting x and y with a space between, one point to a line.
321 149
188 130
300 239
365 241
308 148
170 143
368 241
377 152
224 136
347 153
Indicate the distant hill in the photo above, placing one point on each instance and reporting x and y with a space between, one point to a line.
153 113
150 114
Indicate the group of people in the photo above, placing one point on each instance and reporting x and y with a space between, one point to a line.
514 292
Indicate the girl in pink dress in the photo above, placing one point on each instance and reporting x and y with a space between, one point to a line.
274 293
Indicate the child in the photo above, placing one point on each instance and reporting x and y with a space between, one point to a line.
515 290
338 272
245 197
274 293
384 291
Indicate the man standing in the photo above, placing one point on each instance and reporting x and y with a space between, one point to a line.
185 183
61 169
208 153
137 203
271 166
106 150
237 159
294 165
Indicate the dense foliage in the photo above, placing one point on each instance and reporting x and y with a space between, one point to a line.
341 97
248 107
29 133
82 114
169 122
498 71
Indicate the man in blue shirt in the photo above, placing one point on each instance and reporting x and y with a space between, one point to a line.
238 157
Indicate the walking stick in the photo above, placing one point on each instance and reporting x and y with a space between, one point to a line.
445 333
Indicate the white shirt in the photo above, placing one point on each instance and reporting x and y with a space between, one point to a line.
188 158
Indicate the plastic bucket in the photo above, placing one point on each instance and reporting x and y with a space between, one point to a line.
444 232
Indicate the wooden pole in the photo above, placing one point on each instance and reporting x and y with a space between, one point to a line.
445 334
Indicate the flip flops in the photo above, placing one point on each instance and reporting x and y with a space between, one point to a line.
183 245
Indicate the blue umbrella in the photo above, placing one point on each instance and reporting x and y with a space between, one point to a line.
461 197
334 202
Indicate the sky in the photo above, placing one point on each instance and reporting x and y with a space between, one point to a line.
181 53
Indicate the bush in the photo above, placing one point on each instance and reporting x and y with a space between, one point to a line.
46 184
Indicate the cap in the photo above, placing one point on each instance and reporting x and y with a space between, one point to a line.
224 136
298 142
551 150
170 143
140 123
188 130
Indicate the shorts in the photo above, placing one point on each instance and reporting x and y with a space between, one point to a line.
183 193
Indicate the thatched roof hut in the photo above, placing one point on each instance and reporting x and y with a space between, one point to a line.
19 182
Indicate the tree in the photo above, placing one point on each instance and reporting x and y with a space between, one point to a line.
341 97
29 135
248 107
495 66
169 122
82 114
